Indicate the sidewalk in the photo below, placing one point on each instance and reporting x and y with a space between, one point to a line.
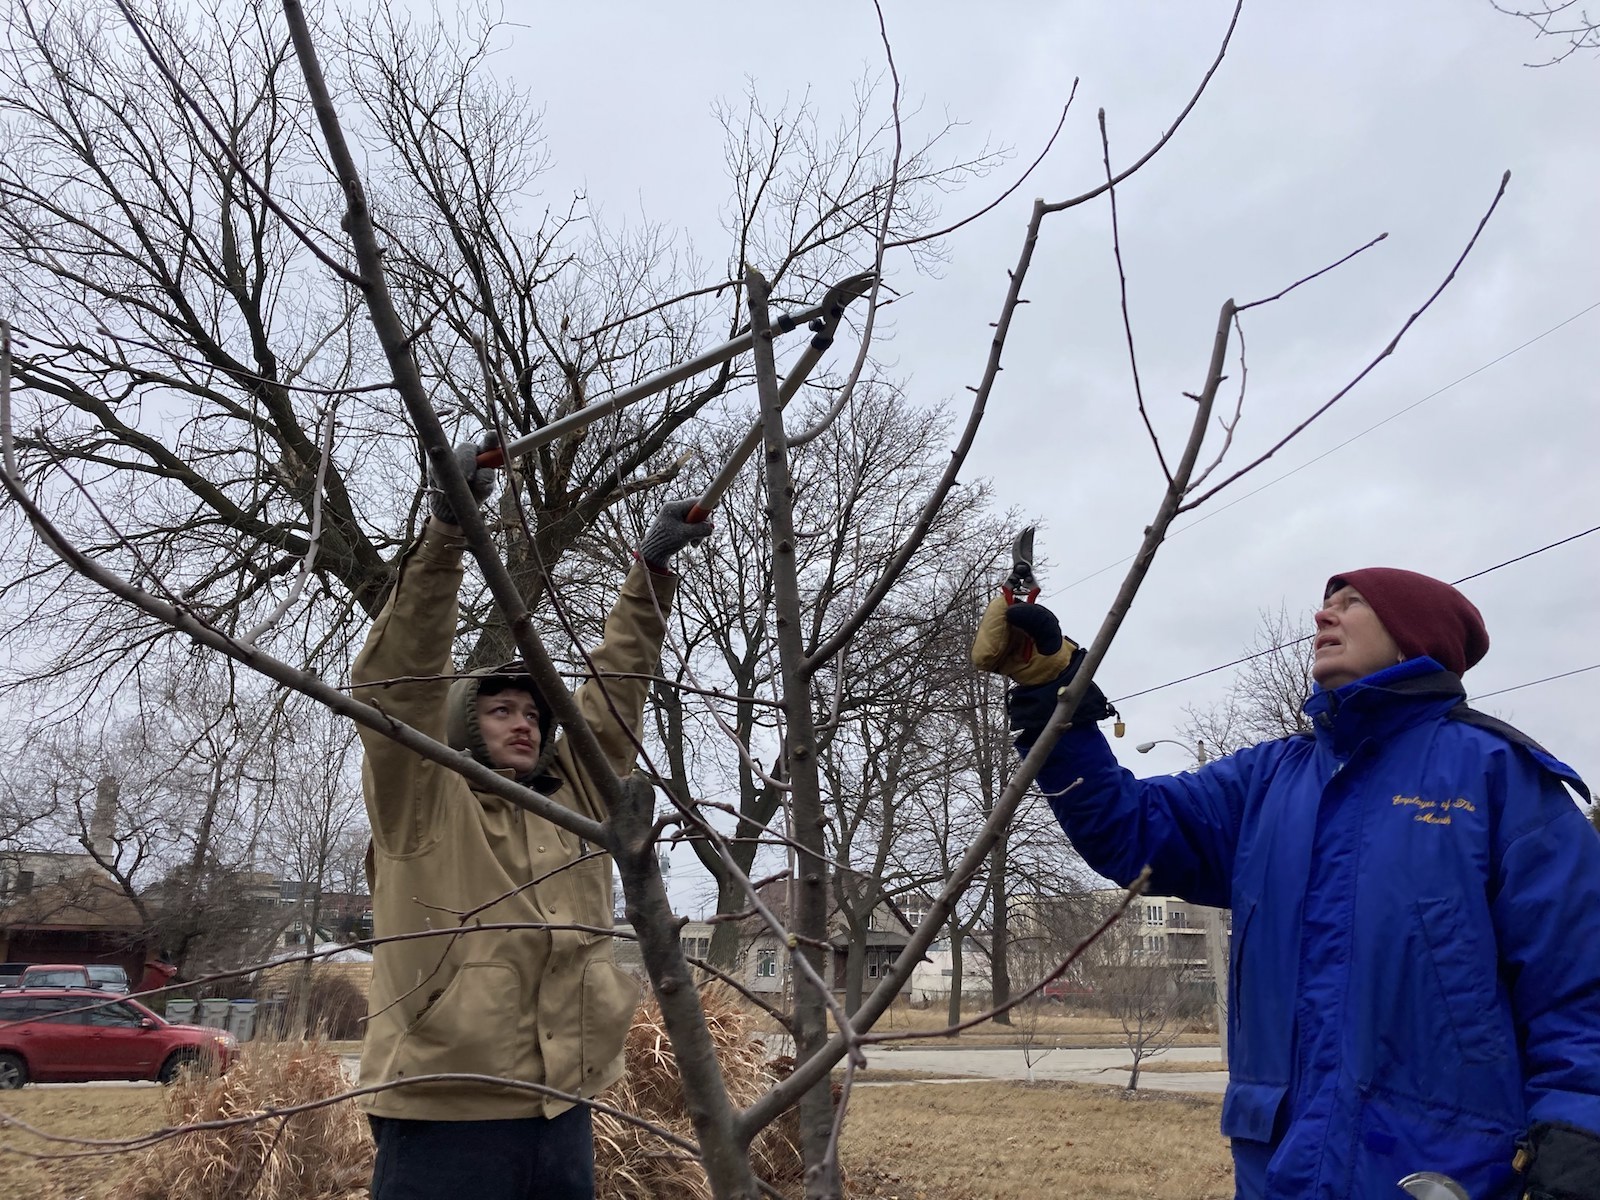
1105 1067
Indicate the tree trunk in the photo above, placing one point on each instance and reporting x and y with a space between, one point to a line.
725 1156
1000 934
809 915
954 1011
855 968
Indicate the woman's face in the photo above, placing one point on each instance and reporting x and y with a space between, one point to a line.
1351 642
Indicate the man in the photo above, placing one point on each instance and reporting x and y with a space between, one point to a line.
1415 986
537 1005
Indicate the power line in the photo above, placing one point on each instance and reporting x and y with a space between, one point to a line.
1529 554
1206 516
1533 682
1161 687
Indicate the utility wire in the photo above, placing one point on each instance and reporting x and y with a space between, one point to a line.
1532 682
1160 687
1211 512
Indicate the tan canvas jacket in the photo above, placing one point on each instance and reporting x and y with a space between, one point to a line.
541 1006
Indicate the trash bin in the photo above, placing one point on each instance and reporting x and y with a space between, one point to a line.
271 1017
241 1019
214 1013
180 1011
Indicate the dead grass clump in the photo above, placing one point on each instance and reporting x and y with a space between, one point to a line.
318 1155
630 1161
993 1140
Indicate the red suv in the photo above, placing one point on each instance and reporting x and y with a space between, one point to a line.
53 1035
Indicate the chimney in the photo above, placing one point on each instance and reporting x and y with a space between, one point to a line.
103 826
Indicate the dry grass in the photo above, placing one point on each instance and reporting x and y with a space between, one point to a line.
1161 1066
978 1140
630 1161
86 1112
998 1141
323 1154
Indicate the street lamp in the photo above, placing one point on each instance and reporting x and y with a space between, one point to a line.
1198 749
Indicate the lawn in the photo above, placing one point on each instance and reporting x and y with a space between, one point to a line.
903 1140
998 1141
83 1111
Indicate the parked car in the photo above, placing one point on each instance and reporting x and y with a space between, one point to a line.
108 977
11 974
1059 991
71 1035
105 977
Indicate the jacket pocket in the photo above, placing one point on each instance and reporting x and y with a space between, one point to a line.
470 1028
1250 1110
1465 971
1236 1004
610 996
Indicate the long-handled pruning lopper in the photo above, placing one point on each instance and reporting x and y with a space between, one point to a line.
821 318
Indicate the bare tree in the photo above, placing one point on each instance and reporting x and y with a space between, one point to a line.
316 833
168 803
197 404
1264 701
1560 20
1134 980
807 651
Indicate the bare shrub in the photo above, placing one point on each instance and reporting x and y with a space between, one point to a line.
632 1162
323 1154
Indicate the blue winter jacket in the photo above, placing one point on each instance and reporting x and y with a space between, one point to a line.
1414 974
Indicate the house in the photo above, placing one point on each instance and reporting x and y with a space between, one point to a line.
764 967
1156 931
340 916
63 907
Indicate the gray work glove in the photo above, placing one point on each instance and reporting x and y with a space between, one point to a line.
480 480
669 533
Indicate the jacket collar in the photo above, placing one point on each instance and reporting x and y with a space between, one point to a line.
1418 689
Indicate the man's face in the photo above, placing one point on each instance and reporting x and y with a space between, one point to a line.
1351 642
509 722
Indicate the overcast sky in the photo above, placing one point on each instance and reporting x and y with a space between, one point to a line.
1325 126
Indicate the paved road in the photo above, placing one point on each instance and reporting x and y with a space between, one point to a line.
1101 1066
955 1064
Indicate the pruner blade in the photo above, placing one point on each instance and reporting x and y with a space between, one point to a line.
1430 1185
1020 586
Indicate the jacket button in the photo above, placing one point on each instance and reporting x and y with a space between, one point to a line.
541 849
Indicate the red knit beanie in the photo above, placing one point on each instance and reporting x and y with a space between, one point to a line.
1422 615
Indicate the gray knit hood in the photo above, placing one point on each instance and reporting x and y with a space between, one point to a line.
461 720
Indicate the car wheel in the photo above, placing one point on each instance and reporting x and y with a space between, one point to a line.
13 1072
176 1062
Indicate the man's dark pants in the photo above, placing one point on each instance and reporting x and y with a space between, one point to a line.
531 1158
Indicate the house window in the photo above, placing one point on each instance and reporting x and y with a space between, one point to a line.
1152 915
766 964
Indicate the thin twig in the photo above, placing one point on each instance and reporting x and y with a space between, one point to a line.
313 539
1315 274
160 63
1370 367
1122 291
1171 130
1061 122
